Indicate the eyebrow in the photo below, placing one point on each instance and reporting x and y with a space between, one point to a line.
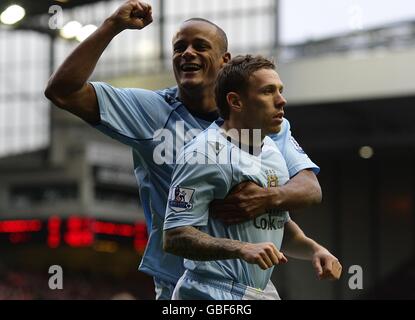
177 42
195 40
273 86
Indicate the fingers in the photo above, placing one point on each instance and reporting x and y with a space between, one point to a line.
223 212
327 267
239 187
331 270
132 14
337 270
141 14
261 263
317 266
271 256
283 259
230 200
228 218
230 213
265 255
149 17
142 7
245 202
220 208
268 259
280 256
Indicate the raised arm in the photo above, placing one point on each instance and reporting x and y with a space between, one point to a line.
67 87
297 245
194 244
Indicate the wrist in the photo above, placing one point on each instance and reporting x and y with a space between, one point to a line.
274 197
317 249
240 250
111 26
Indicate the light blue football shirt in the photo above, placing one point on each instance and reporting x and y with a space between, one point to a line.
143 120
208 169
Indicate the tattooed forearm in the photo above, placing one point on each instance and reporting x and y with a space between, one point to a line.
193 244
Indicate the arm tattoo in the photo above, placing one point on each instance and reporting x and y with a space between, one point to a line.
193 244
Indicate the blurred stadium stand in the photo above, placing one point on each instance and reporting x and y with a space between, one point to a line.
346 94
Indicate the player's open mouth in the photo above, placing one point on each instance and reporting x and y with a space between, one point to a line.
190 67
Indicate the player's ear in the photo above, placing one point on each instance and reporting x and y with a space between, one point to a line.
234 101
226 57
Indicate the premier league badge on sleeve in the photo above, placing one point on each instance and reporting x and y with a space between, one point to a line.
180 199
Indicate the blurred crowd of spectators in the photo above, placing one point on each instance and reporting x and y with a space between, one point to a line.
30 285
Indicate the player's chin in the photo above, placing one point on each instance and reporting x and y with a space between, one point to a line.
191 83
274 129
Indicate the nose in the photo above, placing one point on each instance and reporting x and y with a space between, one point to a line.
188 53
280 102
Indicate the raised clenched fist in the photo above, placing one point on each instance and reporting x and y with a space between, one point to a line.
132 14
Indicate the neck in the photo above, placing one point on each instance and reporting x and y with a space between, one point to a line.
243 134
199 101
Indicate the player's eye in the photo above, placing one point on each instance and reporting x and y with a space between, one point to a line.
268 90
178 49
201 47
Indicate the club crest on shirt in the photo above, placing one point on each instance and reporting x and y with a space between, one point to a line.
180 199
272 179
296 145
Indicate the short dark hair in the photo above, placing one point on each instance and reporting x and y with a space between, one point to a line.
221 33
234 77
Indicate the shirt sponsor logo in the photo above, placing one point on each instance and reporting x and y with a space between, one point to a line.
269 223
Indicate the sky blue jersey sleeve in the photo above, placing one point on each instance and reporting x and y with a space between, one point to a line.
128 114
192 188
294 155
